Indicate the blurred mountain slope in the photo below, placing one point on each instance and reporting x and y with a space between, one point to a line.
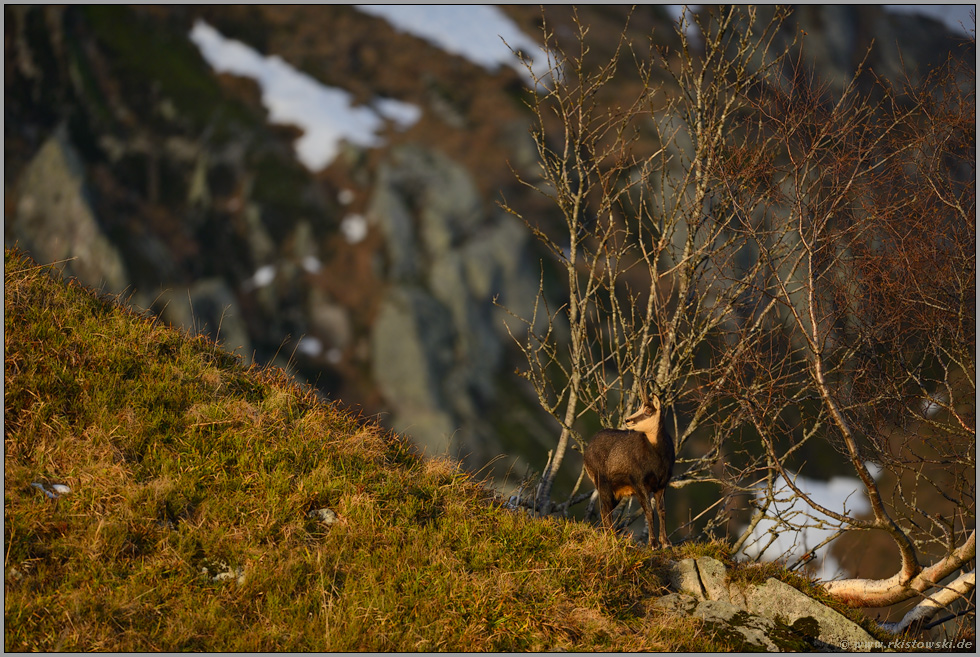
198 207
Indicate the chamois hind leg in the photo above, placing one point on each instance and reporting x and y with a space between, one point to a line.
644 496
607 504
662 513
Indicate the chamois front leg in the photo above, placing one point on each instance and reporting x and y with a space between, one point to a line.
662 514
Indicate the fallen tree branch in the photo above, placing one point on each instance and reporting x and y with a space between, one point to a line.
928 608
885 592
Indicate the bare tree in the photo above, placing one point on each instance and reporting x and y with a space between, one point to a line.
647 249
874 272
788 267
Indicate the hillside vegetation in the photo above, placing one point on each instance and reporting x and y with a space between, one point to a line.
188 523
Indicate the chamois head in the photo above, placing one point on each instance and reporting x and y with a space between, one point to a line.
647 418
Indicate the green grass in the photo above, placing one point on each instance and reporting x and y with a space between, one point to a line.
183 464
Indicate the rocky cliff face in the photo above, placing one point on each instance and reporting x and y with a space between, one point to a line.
438 341
152 176
377 279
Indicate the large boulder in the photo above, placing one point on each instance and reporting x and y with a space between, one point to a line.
770 616
829 629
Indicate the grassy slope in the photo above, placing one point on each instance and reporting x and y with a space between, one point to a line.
184 464
181 461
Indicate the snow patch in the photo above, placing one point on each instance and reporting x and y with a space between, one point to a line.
403 115
932 404
310 346
311 264
262 276
475 32
327 115
354 227
692 30
956 17
841 494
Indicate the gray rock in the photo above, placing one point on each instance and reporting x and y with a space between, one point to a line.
524 152
54 220
260 244
208 306
736 595
412 347
684 578
754 629
448 284
433 429
198 193
389 209
680 603
477 349
330 320
219 571
713 575
449 216
441 191
439 341
772 616
302 244
498 264
421 198
411 355
324 515
703 578
829 629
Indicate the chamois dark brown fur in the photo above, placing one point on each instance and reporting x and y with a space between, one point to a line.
638 461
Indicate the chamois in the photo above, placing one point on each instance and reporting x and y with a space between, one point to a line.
638 461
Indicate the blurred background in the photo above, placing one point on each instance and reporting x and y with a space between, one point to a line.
318 187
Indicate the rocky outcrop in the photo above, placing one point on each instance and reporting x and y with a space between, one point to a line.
439 339
769 616
55 222
412 343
